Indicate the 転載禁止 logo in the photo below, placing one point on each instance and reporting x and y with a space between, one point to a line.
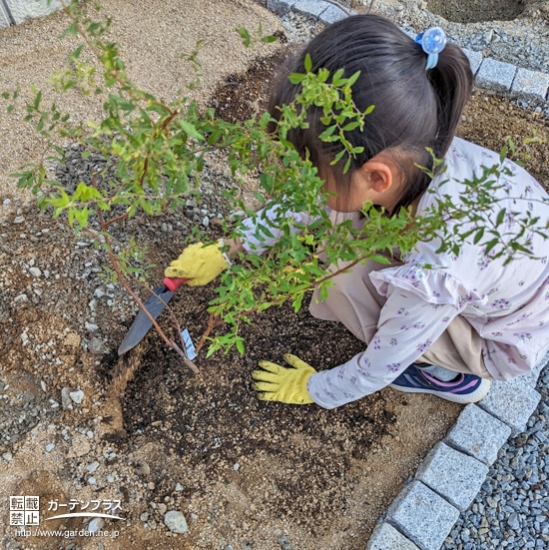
25 510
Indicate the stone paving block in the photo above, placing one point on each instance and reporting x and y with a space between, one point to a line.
386 537
495 75
25 10
4 18
530 85
478 434
280 7
452 474
311 7
332 15
475 59
512 402
531 378
422 516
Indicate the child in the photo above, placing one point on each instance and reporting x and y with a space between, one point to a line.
447 330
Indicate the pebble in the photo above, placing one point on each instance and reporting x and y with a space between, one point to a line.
93 466
21 299
50 447
175 521
35 272
96 524
19 219
66 401
178 487
77 396
91 327
143 468
7 456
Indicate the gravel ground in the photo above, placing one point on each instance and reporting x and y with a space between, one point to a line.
512 510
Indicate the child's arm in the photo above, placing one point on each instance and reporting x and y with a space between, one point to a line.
407 327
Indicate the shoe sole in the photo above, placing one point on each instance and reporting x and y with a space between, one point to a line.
463 399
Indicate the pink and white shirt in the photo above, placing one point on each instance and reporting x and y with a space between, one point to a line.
507 305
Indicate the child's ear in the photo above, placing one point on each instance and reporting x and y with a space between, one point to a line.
377 174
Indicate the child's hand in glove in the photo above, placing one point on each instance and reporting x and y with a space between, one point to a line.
287 385
199 263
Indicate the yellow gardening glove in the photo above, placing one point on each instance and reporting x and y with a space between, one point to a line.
199 263
282 384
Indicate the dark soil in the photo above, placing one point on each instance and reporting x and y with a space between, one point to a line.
215 419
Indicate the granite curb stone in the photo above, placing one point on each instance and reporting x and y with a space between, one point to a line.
386 537
280 7
453 475
25 10
478 434
311 7
332 15
422 515
4 18
495 75
513 402
475 59
530 85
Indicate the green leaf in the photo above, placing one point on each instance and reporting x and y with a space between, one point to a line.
501 217
190 130
296 78
37 100
503 153
76 54
490 245
337 78
479 235
72 29
269 39
327 133
240 346
308 63
351 80
245 35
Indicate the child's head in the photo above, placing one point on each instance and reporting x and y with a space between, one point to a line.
414 109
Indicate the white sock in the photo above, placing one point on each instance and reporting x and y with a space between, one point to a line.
440 373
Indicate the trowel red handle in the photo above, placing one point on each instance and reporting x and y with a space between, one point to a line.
172 284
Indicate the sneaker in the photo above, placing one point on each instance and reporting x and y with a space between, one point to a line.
466 388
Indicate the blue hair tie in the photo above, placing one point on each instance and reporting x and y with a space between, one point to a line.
433 41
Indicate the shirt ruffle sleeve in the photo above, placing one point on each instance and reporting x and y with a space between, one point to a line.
434 286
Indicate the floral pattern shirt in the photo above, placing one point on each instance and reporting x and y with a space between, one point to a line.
508 305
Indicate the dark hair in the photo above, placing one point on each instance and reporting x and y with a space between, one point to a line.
414 108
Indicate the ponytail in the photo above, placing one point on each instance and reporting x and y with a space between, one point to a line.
452 80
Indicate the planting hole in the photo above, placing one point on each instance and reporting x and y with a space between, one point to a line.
474 11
